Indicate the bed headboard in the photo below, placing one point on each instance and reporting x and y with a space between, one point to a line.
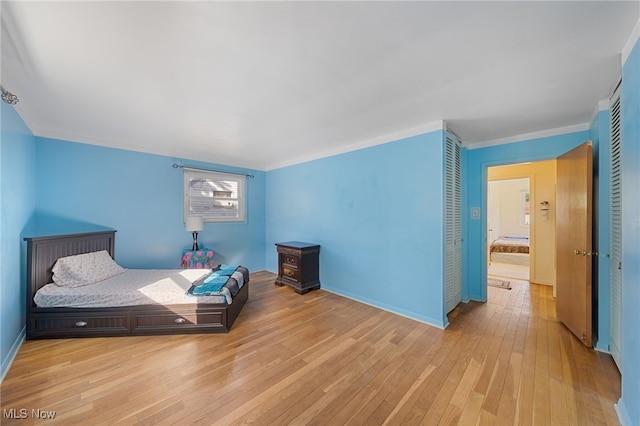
42 253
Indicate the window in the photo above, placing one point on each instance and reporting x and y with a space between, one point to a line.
217 197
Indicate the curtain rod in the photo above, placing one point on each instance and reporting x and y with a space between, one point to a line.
182 166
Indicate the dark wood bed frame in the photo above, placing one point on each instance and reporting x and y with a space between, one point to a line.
42 253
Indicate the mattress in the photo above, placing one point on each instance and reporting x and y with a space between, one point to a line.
132 288
512 258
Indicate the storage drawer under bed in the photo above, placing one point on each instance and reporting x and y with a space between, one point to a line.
94 324
162 320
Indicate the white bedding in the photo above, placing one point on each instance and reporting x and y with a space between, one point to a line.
134 287
512 258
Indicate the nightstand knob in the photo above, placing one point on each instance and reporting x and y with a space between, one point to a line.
81 324
180 320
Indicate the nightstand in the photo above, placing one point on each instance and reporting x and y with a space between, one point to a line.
197 259
298 266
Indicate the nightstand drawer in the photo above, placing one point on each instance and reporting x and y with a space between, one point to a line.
291 273
291 260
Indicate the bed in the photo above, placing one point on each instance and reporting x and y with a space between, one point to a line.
512 249
151 314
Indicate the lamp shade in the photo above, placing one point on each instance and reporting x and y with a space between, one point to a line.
194 223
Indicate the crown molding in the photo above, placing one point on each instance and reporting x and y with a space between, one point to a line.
528 136
389 137
633 39
603 105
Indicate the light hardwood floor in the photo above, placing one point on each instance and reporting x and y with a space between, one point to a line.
324 359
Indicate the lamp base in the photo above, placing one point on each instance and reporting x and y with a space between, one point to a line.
195 242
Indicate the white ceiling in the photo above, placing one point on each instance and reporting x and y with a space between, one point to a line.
266 84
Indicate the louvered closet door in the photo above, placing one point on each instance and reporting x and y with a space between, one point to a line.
453 222
615 204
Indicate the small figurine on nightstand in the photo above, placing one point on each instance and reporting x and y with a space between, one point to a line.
197 259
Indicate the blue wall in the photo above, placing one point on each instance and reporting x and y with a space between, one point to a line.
629 406
17 204
141 196
477 162
378 215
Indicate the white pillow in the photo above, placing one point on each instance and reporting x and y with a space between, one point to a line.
84 269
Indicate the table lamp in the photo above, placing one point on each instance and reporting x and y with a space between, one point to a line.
194 224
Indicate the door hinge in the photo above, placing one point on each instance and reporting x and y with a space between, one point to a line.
584 336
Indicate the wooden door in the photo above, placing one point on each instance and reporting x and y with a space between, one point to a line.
574 243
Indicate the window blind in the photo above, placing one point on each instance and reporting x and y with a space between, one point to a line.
217 197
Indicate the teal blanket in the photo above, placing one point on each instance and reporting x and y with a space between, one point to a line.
214 282
225 270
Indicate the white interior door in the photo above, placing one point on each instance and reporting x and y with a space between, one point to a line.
615 221
493 213
453 222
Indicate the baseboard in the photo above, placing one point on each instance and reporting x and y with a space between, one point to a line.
425 320
599 348
623 415
6 363
541 283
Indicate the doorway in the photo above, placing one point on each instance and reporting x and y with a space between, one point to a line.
540 217
508 228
